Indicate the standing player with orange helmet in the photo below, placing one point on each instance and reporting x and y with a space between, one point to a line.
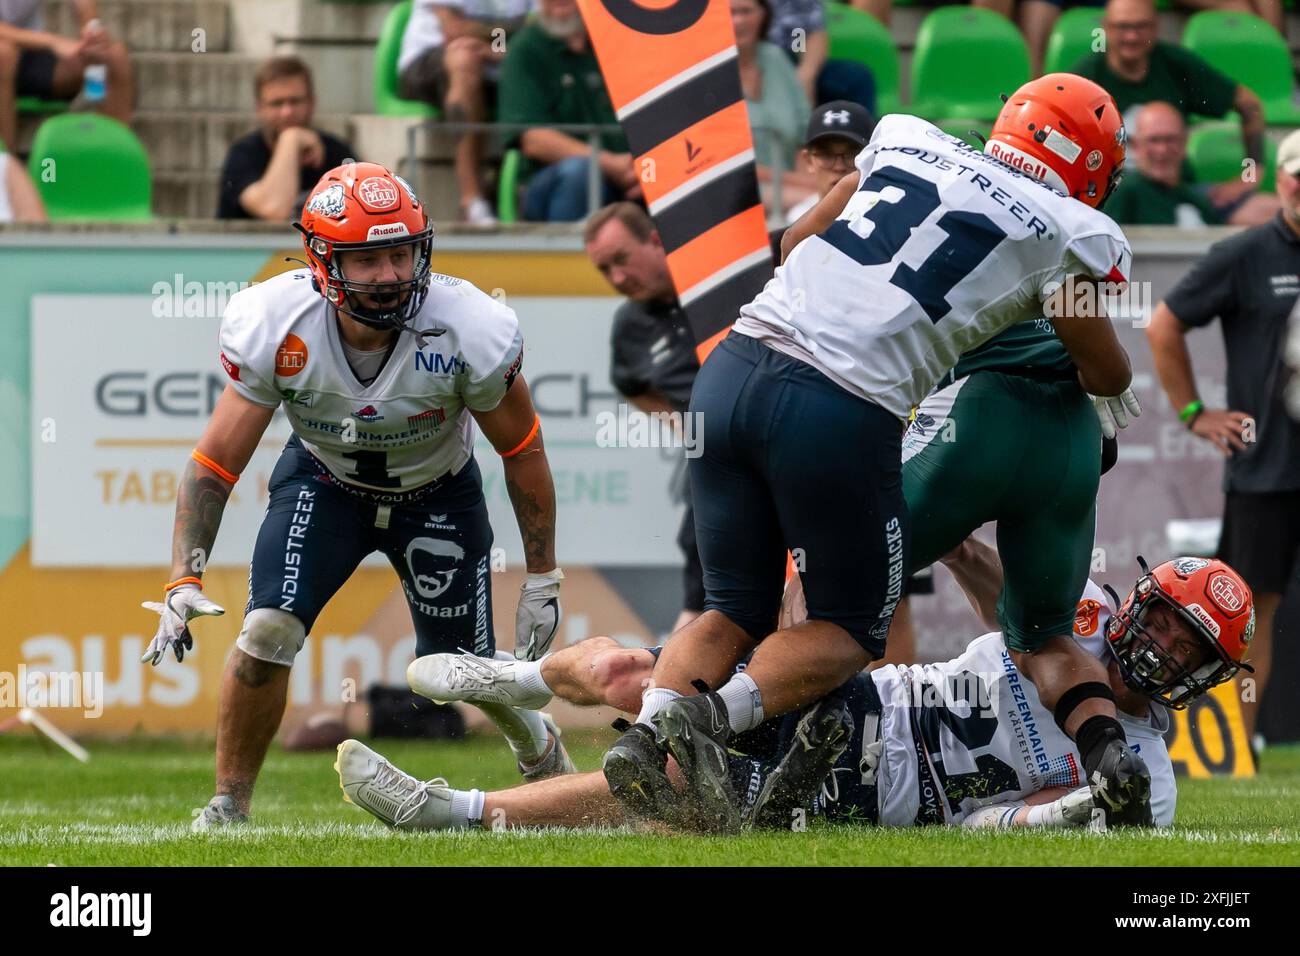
927 251
383 369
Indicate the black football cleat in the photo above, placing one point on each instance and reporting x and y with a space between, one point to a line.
820 738
695 731
635 769
1121 787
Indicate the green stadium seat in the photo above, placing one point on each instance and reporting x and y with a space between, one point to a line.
860 37
1071 39
508 186
1215 153
1252 53
965 58
387 102
89 167
34 104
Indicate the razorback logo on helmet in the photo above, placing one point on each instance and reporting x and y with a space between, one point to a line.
410 193
377 193
1249 632
1205 618
291 356
1086 616
389 229
231 368
1189 566
328 202
1093 162
1226 593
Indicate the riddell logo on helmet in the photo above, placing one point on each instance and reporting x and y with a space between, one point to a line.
1204 617
1227 594
377 193
391 229
1021 161
291 357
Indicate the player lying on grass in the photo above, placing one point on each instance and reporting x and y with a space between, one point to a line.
965 741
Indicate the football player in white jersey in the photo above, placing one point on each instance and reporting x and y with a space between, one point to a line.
928 249
961 742
384 369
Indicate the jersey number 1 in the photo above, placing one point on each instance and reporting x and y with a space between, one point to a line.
372 469
903 203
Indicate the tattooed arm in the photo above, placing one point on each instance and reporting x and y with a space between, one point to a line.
230 439
528 474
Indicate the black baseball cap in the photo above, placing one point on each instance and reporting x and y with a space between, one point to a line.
840 119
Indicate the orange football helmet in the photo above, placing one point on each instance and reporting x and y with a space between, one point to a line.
365 206
1212 600
1066 131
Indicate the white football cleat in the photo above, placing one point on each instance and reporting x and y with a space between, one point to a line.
220 812
398 799
447 677
555 763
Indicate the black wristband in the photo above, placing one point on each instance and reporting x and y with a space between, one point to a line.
1076 695
1094 736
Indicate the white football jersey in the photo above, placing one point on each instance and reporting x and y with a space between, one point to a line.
941 248
944 754
280 344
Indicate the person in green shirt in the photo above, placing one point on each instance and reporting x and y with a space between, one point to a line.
1155 192
1136 68
550 75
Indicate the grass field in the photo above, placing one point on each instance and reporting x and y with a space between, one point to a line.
130 806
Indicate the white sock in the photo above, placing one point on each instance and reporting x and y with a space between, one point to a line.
528 675
653 700
744 702
466 807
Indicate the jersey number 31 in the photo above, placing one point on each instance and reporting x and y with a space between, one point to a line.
904 201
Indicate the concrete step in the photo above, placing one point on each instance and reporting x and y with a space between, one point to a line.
185 195
153 25
195 81
198 142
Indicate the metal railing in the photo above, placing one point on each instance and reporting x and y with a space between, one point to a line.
592 133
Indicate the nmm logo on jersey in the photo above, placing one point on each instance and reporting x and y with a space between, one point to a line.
440 364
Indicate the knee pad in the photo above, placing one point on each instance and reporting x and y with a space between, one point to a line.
271 635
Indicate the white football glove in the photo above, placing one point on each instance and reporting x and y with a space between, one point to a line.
1114 411
176 609
538 617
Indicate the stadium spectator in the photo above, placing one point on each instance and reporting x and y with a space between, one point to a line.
1268 10
1137 68
1036 18
1251 283
1155 194
653 362
550 75
799 27
35 62
451 58
880 9
778 106
19 200
836 133
268 173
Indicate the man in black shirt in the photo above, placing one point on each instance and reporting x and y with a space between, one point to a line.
1250 282
653 363
268 173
